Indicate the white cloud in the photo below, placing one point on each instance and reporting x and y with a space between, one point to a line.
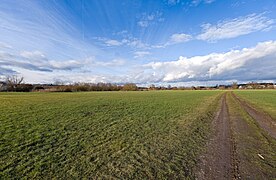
113 42
197 2
191 3
174 39
222 30
122 33
5 46
179 38
128 41
143 23
33 54
235 27
140 54
247 64
37 61
6 71
147 19
173 2
112 63
254 63
209 1
136 43
35 67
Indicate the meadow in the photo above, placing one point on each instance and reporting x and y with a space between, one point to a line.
154 134
264 100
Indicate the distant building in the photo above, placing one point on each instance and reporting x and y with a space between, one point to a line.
249 87
261 86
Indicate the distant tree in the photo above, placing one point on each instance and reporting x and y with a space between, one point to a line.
58 83
38 88
130 87
234 85
13 82
152 87
253 85
24 88
222 87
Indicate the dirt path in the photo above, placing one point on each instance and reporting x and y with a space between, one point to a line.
219 162
264 120
222 159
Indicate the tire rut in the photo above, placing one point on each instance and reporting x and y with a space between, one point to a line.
220 162
264 120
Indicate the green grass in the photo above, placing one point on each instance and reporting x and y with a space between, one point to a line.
104 134
262 99
250 141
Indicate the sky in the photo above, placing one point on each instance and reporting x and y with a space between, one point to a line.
177 42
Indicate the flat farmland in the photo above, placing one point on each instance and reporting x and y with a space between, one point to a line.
264 100
253 133
242 145
154 134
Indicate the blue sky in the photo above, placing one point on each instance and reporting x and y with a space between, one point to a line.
182 42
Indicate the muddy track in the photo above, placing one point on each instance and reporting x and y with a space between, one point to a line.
264 120
219 160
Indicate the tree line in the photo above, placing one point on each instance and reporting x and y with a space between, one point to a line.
16 84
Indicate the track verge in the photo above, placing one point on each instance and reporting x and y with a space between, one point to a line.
264 120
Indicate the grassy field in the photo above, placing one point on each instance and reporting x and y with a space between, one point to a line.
251 140
104 134
262 99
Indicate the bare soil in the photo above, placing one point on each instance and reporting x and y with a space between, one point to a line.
264 120
219 160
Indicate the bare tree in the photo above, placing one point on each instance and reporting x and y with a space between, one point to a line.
130 87
13 82
234 85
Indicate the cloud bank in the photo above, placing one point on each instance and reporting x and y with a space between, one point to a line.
247 64
256 63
